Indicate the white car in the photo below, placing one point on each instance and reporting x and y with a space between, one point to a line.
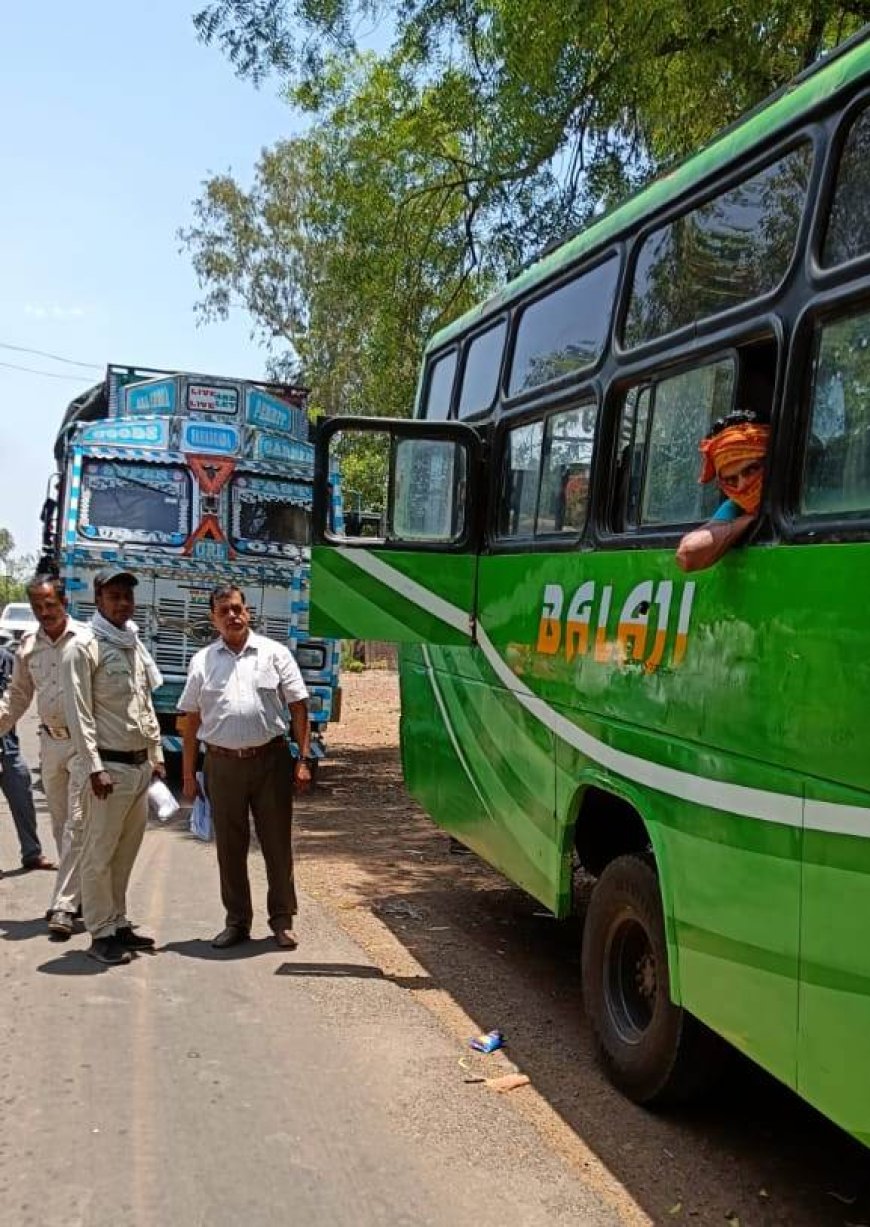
16 618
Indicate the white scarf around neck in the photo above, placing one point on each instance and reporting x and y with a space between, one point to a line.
127 637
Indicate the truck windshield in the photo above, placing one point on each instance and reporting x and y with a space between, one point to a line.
270 516
134 502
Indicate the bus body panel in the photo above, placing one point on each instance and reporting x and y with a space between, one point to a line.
692 693
383 594
460 742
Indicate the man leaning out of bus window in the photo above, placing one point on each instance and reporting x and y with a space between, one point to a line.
733 453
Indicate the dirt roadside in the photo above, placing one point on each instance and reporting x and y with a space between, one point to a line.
480 954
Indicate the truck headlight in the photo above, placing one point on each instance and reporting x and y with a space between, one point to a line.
311 656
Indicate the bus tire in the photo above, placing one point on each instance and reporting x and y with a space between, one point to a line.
652 1050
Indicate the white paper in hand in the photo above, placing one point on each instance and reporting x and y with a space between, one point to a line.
160 799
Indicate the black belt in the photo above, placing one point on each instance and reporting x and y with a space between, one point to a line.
246 751
133 758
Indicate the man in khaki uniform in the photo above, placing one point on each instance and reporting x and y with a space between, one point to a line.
37 671
108 682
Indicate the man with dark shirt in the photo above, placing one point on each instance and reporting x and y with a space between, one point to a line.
16 784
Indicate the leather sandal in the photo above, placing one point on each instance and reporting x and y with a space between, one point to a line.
39 862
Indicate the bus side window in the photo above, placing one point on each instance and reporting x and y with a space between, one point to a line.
545 475
848 234
658 461
568 441
630 461
837 463
521 474
439 387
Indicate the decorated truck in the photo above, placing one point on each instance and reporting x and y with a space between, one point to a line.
191 481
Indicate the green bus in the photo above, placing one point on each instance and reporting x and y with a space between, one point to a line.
699 743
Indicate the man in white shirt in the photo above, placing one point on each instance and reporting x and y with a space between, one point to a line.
37 671
235 701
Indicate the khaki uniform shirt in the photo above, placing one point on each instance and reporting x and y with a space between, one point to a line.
37 671
108 702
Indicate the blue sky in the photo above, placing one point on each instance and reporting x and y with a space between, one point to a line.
111 115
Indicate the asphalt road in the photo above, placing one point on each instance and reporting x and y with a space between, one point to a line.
197 1088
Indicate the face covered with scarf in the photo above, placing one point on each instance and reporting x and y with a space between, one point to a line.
735 457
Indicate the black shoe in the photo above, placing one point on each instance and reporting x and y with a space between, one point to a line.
230 936
109 950
133 941
61 926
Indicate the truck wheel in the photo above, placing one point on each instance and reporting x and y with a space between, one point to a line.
651 1049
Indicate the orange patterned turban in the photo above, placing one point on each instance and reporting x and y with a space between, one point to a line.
742 444
746 441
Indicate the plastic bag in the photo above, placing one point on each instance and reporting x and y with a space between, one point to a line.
161 801
200 813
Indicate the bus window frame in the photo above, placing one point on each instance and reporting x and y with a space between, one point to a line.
765 155
667 536
587 262
588 396
491 322
430 361
398 429
795 527
834 130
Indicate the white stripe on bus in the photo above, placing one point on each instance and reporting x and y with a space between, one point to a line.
416 593
454 740
784 808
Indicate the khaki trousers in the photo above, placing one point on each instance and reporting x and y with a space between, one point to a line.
113 830
263 786
63 781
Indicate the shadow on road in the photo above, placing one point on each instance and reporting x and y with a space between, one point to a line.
201 948
74 963
753 1152
24 870
352 971
22 930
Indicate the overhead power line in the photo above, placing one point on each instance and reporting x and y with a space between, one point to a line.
42 353
48 374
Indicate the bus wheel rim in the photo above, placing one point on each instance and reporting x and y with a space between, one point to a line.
630 978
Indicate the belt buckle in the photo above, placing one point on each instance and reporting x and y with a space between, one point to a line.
57 734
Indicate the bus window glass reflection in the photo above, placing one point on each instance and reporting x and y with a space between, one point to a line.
520 481
848 233
439 388
837 475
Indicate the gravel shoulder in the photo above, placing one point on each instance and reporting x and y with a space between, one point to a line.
479 954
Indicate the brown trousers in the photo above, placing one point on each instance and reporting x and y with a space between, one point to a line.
263 786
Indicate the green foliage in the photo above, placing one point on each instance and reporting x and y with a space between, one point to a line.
12 589
350 659
363 462
14 570
484 132
341 250
570 99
